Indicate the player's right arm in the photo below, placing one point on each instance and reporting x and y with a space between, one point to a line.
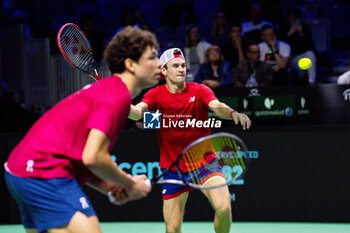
136 111
97 158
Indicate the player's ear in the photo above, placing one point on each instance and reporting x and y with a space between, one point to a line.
163 70
129 65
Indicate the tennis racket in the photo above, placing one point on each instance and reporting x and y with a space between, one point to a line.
210 162
76 49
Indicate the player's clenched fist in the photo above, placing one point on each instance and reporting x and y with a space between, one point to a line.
139 188
118 196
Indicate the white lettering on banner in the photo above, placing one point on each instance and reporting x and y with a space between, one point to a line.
181 124
346 94
199 124
190 123
210 123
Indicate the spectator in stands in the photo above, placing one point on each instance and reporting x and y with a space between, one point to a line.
233 49
344 79
298 35
276 53
251 29
219 29
132 17
97 38
253 72
178 13
195 47
214 72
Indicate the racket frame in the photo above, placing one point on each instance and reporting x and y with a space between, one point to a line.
96 75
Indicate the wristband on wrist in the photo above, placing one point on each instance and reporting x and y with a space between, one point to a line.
231 113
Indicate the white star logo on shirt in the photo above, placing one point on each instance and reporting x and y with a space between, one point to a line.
155 115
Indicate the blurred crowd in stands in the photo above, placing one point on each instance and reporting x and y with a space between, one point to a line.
243 44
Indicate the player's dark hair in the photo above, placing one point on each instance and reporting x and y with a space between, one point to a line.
129 43
177 52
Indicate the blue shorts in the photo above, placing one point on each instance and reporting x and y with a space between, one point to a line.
48 203
173 190
206 172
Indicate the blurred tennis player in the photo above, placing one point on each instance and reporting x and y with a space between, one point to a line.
69 145
179 100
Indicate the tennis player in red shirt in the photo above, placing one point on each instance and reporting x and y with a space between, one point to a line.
179 100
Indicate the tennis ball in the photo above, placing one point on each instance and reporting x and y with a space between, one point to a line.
304 63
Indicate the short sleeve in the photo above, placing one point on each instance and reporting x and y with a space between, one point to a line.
150 98
206 94
285 51
262 51
108 117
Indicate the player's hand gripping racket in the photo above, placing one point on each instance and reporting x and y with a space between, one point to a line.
210 162
122 195
76 49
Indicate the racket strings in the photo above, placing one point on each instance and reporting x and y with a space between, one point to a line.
74 33
234 155
72 42
193 177
230 160
236 161
239 155
195 161
79 59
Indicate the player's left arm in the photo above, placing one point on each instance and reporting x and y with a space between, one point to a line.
225 112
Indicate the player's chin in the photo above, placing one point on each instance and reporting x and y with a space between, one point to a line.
181 78
152 82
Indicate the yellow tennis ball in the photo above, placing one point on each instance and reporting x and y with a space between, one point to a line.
304 63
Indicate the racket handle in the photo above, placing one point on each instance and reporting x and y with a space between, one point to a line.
98 77
148 183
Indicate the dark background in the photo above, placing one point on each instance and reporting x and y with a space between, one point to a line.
301 174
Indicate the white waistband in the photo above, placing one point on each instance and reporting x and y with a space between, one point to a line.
211 178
